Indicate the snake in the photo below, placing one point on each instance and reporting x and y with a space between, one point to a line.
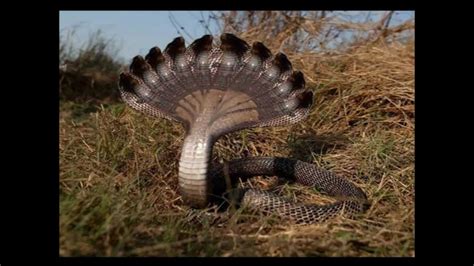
213 87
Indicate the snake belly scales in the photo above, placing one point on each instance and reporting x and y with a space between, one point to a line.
213 89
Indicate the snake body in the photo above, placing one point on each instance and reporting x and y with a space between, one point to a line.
216 89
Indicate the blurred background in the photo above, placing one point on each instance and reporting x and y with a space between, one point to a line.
133 32
96 45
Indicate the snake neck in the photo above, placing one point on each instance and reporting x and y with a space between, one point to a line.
208 114
194 163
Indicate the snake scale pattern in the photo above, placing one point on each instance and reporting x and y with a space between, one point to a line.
216 87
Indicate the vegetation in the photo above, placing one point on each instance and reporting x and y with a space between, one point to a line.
118 168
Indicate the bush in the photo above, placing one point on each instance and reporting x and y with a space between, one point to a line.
88 73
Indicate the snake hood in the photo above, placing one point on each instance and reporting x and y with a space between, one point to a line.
213 88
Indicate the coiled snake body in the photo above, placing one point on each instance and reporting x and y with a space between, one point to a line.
216 89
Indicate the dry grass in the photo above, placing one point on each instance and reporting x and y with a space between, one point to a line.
118 168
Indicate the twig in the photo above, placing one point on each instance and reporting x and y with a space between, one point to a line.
177 26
